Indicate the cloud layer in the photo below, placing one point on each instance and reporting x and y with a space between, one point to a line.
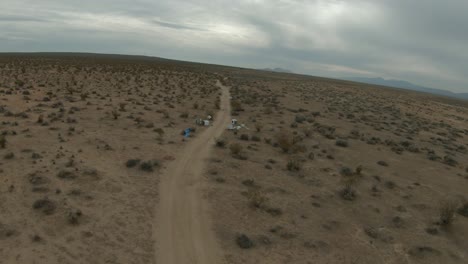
421 41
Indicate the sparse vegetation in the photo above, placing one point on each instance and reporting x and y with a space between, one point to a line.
256 198
447 212
149 165
316 160
342 143
285 141
132 163
3 141
235 149
45 205
293 165
258 127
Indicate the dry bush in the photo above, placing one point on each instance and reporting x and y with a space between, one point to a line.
236 105
221 143
258 127
159 131
447 212
256 198
3 141
40 119
307 131
184 114
348 193
122 107
293 165
285 141
348 181
115 114
341 143
235 149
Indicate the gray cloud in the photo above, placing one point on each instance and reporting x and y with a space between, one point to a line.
423 42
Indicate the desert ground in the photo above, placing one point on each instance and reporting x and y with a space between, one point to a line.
94 167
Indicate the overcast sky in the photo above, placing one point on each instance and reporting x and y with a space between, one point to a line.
425 42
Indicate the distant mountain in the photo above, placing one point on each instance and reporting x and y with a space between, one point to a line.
407 86
277 70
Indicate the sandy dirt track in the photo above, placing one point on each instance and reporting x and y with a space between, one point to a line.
184 232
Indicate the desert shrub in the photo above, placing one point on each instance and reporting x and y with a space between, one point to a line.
132 163
342 143
235 149
184 115
256 198
244 241
236 105
358 170
307 132
3 141
382 163
40 119
73 216
346 171
258 126
9 155
299 148
165 113
285 141
244 137
249 183
159 131
256 138
221 143
122 107
45 205
463 210
447 212
390 184
348 193
349 180
293 165
299 119
66 174
149 165
274 211
115 114
449 160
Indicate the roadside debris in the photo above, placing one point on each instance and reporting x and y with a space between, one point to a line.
204 122
236 126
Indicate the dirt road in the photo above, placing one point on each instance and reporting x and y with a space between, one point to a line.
184 232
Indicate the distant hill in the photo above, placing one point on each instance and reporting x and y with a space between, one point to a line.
406 85
277 70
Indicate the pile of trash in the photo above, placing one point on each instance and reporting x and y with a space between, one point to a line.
204 122
236 126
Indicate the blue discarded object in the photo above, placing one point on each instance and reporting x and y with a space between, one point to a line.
187 132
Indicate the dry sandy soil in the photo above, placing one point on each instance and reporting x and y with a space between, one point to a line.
72 188
94 168
336 172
